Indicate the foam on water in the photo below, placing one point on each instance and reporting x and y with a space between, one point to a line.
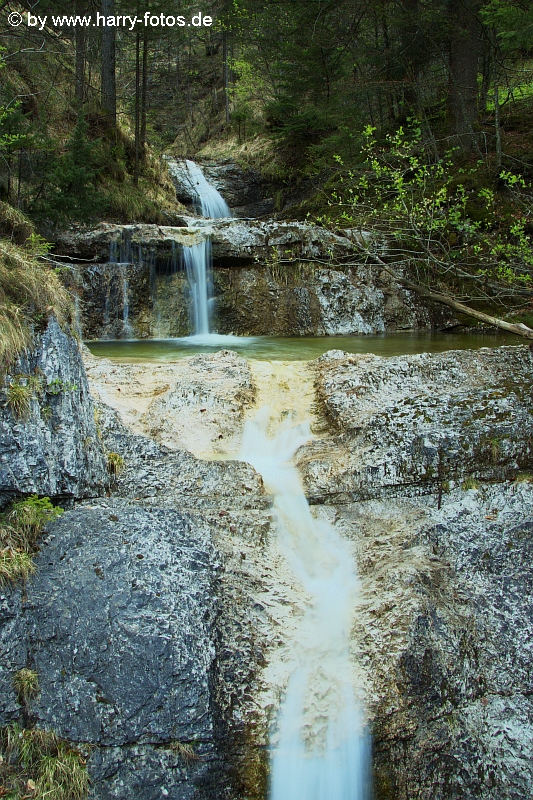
212 204
215 340
323 751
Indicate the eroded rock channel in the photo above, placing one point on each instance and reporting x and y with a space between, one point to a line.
162 617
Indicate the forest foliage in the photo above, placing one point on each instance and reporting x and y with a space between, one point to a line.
291 88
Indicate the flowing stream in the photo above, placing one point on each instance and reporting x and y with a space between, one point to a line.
210 202
322 751
197 259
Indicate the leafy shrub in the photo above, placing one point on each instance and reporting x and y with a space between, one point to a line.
443 222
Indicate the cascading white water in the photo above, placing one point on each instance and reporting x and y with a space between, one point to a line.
323 752
126 325
120 255
212 204
197 261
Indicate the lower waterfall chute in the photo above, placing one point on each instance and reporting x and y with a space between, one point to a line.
323 749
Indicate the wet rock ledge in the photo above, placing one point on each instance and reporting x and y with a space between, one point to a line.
161 615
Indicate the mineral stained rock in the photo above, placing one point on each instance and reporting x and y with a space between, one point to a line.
412 424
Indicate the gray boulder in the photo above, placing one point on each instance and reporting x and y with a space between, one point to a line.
119 624
414 424
55 451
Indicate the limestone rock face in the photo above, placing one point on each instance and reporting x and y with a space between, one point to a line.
161 617
442 628
123 624
55 450
243 190
442 631
234 241
270 278
119 624
413 424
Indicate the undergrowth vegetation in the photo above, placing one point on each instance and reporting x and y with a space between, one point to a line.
30 290
20 527
38 764
448 225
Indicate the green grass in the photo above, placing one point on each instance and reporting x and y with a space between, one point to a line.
470 483
15 565
20 528
30 291
524 477
26 685
37 763
29 516
115 464
19 395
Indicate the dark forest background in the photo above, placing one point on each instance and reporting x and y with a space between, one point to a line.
412 117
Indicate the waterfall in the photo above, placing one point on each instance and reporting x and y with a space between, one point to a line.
197 259
211 203
120 254
323 752
127 330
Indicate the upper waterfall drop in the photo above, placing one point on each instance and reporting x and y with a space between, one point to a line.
199 263
212 204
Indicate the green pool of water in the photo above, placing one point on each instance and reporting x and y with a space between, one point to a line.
296 348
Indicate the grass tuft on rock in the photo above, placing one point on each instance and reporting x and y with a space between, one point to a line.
20 528
38 763
26 685
15 565
470 483
115 464
19 395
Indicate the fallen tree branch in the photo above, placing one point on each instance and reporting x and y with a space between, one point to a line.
512 327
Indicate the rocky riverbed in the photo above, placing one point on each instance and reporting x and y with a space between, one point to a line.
161 616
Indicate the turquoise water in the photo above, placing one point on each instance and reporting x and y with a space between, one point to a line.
296 348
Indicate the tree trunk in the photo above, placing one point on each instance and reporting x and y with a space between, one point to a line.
108 73
463 68
225 56
512 327
80 57
497 120
517 328
144 96
137 106
412 53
